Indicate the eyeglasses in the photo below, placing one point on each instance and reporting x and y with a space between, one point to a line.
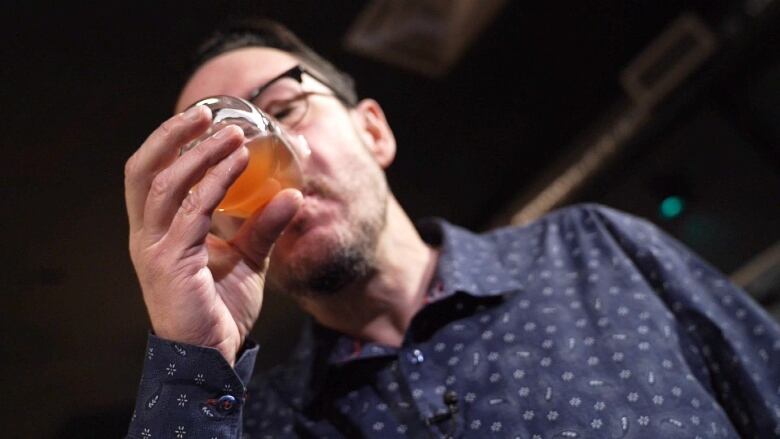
284 98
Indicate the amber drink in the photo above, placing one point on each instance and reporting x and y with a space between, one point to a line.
271 168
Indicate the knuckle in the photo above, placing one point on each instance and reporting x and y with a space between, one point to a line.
160 185
199 154
214 175
138 251
167 129
192 203
131 167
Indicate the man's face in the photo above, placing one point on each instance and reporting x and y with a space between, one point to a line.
332 239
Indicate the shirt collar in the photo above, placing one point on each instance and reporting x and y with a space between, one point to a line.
468 263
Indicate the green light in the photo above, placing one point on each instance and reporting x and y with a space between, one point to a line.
671 207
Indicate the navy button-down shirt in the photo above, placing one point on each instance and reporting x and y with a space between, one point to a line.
589 323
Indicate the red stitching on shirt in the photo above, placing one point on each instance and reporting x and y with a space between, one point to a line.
433 293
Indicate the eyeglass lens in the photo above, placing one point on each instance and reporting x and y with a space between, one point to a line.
284 100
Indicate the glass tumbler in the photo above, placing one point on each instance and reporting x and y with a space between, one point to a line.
275 158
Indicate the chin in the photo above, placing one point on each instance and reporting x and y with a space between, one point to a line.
304 238
292 260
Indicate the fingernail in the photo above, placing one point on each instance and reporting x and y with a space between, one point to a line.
241 151
225 131
193 113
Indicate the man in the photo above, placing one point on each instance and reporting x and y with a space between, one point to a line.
588 323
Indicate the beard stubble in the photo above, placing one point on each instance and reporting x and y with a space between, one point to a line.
349 253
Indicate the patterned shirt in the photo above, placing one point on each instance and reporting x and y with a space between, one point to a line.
589 323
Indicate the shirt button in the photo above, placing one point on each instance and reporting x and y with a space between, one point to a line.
225 403
416 356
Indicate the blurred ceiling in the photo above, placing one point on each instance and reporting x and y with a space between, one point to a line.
96 80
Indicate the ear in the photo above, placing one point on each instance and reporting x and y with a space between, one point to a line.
375 131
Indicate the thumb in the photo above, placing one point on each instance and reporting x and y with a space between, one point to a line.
257 235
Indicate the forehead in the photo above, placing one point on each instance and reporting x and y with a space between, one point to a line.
236 73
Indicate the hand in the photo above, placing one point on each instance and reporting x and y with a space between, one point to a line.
198 289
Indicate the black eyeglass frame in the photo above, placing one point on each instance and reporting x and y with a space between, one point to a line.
296 73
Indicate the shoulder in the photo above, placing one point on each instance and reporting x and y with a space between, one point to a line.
576 229
592 212
581 217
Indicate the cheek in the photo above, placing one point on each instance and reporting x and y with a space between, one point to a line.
339 155
335 150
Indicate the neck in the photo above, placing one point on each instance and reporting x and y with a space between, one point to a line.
380 307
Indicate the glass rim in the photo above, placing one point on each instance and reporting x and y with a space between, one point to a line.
269 125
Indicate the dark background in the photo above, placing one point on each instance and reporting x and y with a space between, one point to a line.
82 87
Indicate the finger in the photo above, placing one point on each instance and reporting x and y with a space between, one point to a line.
257 235
192 221
156 153
172 187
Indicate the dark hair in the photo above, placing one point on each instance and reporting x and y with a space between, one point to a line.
261 32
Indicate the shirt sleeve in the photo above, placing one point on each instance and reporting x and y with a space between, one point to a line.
736 342
190 391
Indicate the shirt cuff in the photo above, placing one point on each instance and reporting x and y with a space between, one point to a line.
191 391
